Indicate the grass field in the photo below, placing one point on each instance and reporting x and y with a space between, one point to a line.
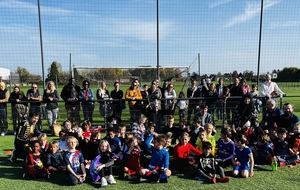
11 178
284 178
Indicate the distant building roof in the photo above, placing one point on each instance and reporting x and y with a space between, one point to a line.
4 73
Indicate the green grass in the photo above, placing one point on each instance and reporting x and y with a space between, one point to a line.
10 178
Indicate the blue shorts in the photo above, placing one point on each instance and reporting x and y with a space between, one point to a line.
241 168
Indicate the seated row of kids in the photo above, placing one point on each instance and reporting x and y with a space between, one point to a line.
145 153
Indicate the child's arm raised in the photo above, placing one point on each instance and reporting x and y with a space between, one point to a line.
148 141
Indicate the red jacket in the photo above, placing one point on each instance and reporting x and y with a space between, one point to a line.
181 151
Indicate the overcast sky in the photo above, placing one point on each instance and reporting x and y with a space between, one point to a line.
122 33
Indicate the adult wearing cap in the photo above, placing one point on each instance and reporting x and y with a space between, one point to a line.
70 94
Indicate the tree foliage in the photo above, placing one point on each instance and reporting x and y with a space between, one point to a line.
23 74
54 72
291 74
26 77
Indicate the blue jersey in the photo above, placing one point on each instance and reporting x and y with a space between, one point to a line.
74 159
115 144
159 157
264 150
225 149
281 148
242 155
271 117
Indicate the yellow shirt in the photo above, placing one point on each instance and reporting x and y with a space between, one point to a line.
210 139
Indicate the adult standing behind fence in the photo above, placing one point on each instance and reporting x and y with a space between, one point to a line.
235 90
192 92
4 97
119 104
86 97
154 104
269 89
133 94
170 96
14 98
70 94
50 97
34 96
103 95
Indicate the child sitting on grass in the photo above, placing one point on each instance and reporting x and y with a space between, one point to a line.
62 142
34 162
113 140
121 133
102 163
242 159
89 148
225 148
184 152
158 169
54 159
43 140
194 131
283 154
208 168
74 162
295 140
132 159
262 150
202 139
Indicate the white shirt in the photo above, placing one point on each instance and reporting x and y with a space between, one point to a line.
182 104
267 89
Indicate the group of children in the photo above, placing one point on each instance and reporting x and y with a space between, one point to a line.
146 154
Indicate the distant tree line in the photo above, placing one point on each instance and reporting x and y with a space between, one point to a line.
55 73
287 74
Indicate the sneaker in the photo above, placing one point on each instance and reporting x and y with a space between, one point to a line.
143 179
103 182
12 157
24 175
2 134
213 180
224 179
49 175
111 180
